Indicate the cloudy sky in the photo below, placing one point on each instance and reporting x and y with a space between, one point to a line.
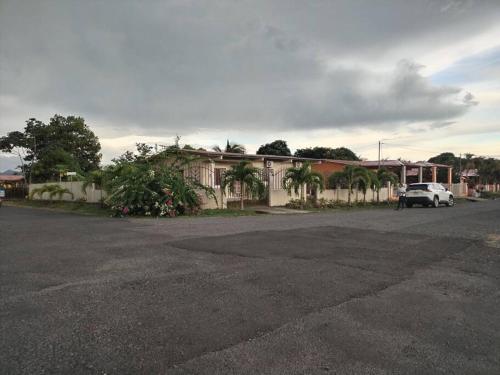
422 75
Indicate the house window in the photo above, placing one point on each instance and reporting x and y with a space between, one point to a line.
218 174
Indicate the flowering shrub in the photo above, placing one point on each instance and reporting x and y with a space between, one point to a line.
145 188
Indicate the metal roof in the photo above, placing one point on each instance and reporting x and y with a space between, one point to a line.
365 163
399 163
233 155
11 178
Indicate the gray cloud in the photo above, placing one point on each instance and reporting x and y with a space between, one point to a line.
360 98
166 67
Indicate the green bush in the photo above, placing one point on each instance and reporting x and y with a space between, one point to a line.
152 188
490 194
298 204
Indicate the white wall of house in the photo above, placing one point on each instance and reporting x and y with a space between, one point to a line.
210 202
281 197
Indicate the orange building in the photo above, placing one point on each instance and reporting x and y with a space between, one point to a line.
327 167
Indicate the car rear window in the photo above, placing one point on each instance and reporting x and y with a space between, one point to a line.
418 187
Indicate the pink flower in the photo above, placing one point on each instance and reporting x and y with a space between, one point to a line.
169 202
125 210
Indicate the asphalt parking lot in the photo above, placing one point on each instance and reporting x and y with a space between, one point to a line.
350 292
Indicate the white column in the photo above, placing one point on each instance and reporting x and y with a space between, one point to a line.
270 185
211 168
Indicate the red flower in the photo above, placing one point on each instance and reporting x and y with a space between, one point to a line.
125 210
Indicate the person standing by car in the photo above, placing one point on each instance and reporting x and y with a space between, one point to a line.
401 196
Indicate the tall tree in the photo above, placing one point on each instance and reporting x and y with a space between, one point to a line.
246 177
15 143
278 147
447 158
340 153
63 141
489 171
298 178
343 153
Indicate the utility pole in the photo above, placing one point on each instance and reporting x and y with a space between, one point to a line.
460 169
379 145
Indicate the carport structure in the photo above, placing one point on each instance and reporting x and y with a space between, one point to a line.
411 171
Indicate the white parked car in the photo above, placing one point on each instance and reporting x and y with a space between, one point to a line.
428 194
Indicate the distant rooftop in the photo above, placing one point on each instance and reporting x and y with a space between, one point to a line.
365 163
11 178
399 163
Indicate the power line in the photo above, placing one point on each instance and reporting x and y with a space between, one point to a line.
413 148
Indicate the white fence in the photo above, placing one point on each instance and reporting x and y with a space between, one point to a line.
458 190
280 197
91 194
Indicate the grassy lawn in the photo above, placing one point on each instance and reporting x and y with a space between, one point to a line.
490 195
353 207
83 208
345 206
227 212
95 209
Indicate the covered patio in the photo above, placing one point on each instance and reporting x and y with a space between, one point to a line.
410 172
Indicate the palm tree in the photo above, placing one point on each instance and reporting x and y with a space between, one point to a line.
364 183
232 147
375 183
384 176
351 176
52 190
246 177
297 178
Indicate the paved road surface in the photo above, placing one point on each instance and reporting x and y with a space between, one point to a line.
360 292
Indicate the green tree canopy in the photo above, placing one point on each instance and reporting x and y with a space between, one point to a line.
340 153
64 141
489 171
278 147
447 158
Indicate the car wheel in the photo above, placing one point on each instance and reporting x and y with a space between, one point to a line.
450 202
435 202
